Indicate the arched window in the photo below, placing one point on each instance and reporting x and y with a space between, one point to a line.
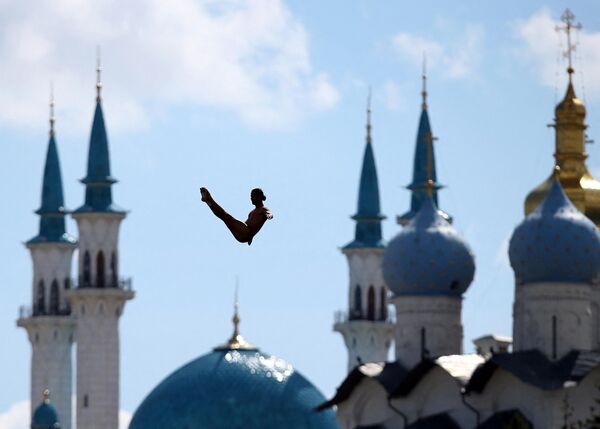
54 302
100 270
114 275
87 269
357 310
383 309
371 303
40 299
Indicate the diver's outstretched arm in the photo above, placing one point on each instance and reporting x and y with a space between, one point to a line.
239 229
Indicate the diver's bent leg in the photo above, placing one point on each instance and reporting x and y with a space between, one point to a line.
239 229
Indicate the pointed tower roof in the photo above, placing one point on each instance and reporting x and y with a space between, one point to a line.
424 165
98 181
52 211
368 216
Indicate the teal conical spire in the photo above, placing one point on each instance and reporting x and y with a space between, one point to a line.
368 216
52 211
424 166
98 181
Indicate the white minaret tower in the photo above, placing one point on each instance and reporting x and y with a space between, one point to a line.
365 327
48 322
100 296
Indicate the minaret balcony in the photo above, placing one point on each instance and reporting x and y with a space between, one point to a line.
122 283
26 312
342 316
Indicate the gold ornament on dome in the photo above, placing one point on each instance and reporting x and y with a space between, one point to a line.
570 139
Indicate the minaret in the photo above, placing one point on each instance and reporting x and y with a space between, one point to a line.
423 153
570 138
48 323
365 327
100 296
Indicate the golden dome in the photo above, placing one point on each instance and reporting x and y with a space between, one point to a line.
579 185
570 105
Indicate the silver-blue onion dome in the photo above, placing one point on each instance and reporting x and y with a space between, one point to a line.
555 243
428 257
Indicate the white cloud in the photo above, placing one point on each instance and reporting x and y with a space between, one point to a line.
248 57
457 57
124 419
18 417
541 46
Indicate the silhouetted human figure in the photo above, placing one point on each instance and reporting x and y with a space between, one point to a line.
243 232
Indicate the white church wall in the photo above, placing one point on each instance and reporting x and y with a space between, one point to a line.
367 405
540 309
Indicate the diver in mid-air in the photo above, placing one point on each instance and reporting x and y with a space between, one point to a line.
243 232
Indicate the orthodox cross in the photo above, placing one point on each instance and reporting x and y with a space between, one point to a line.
568 18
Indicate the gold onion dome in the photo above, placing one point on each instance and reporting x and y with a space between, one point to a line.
577 182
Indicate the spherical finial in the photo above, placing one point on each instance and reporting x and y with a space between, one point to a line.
98 76
46 396
556 171
52 118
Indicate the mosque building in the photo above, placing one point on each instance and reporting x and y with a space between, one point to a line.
545 376
234 386
550 378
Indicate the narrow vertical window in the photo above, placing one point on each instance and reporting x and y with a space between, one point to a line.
40 299
383 309
54 298
357 311
100 280
67 285
423 343
371 303
114 274
87 268
554 337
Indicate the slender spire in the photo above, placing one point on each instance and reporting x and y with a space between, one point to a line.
52 211
369 116
424 170
98 76
98 180
368 216
236 342
424 80
52 118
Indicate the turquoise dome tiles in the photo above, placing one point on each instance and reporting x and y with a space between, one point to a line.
234 389
555 243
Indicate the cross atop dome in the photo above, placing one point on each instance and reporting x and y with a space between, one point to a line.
568 18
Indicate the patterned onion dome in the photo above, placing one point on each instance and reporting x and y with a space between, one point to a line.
555 243
234 389
428 257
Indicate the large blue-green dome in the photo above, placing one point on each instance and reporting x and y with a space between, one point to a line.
428 257
234 389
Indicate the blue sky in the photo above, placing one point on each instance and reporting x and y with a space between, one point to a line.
236 94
